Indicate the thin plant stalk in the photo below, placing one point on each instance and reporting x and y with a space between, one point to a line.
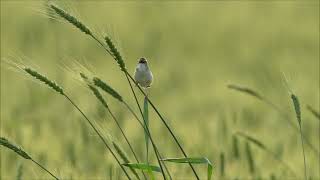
146 128
125 137
42 167
304 155
267 150
98 95
165 123
267 101
74 21
296 105
98 133
146 120
158 113
54 86
19 151
149 135
106 88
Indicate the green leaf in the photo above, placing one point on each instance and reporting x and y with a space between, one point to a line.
146 123
143 166
201 160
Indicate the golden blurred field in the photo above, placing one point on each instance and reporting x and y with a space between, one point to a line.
195 49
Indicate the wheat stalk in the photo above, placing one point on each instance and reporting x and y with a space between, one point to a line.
129 77
18 150
116 55
124 157
258 96
108 89
314 112
44 79
58 89
98 95
296 105
250 158
71 19
263 147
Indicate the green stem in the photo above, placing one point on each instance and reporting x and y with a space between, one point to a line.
165 123
147 129
149 134
284 115
97 132
42 167
304 155
125 137
103 46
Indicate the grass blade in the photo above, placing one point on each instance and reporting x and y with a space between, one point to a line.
250 158
246 91
146 123
252 140
201 160
260 145
235 147
314 112
144 167
222 164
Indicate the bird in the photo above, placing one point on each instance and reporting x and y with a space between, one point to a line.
143 75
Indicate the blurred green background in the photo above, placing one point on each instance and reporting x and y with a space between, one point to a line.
195 49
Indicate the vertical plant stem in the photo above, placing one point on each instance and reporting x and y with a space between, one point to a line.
42 167
164 122
146 129
127 74
146 120
125 137
100 136
149 134
304 155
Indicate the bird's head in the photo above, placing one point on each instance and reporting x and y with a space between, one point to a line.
143 60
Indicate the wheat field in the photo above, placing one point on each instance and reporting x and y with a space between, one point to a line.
236 86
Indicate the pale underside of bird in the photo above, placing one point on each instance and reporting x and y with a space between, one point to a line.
142 75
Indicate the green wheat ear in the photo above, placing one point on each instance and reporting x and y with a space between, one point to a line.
124 157
94 90
4 142
108 89
44 79
116 53
71 19
296 106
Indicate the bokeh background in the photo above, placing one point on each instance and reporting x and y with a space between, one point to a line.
195 49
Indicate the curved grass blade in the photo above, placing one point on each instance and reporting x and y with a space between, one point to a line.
201 160
314 112
144 167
